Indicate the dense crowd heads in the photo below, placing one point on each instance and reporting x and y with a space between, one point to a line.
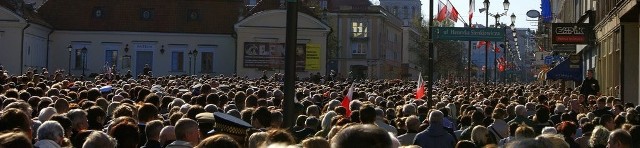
50 110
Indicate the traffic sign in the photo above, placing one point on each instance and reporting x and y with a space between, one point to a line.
468 34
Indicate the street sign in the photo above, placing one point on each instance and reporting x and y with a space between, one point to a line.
468 34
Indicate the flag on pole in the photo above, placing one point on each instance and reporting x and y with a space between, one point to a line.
452 13
347 100
483 43
442 12
472 8
420 87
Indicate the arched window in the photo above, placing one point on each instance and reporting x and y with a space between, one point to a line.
395 11
405 12
413 12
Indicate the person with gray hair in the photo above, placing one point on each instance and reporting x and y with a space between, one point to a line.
380 116
408 110
46 114
152 133
413 125
50 135
79 121
435 135
333 104
99 139
167 135
326 124
521 117
187 134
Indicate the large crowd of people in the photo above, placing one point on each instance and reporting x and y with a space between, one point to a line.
52 110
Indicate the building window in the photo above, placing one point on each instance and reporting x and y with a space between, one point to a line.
359 28
193 15
79 58
405 12
98 13
395 11
359 47
111 58
177 61
413 12
207 62
146 14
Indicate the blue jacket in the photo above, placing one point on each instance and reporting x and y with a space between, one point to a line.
434 136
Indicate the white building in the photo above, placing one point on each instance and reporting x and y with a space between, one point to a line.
172 37
261 37
23 37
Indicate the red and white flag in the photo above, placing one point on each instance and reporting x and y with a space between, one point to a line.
472 8
452 12
442 12
420 87
347 100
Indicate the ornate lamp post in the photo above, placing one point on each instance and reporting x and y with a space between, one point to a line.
69 48
486 3
84 60
195 60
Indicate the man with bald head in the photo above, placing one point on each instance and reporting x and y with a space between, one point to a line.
167 135
435 135
187 134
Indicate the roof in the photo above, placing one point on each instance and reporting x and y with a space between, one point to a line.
264 5
23 11
349 5
170 16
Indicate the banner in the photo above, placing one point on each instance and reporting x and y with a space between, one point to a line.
270 55
312 57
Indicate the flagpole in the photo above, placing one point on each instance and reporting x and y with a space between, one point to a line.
430 62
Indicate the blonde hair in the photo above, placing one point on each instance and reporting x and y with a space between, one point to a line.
479 135
599 136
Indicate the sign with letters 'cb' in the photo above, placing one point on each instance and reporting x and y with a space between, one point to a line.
569 33
468 34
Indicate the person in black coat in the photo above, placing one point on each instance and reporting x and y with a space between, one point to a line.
589 85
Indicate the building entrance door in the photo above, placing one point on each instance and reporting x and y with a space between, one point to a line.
143 58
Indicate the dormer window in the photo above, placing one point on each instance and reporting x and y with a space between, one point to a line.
146 14
98 13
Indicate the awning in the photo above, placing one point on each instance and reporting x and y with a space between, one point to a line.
565 71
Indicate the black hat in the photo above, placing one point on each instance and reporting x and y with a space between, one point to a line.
226 123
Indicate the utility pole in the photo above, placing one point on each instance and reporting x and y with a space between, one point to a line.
430 63
290 63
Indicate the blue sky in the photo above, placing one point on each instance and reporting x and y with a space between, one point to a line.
519 7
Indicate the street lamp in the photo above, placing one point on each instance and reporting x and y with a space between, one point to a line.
506 5
513 18
84 60
190 53
69 48
486 3
195 59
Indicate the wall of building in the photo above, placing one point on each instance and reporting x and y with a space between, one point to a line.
630 56
269 27
97 43
382 48
11 27
35 46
